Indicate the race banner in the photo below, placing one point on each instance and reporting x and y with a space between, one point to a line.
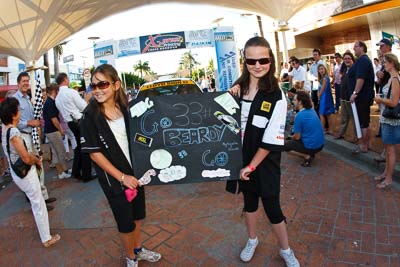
162 42
128 47
227 57
186 138
200 38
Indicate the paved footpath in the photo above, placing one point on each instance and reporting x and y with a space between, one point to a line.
335 215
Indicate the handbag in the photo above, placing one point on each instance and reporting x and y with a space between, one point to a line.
46 150
19 167
389 112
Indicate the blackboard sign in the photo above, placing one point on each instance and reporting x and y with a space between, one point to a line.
186 138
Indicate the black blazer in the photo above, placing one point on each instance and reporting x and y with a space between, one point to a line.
96 136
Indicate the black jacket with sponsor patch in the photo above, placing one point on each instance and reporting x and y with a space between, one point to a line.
96 136
264 129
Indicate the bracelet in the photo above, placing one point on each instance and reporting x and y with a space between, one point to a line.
252 168
122 179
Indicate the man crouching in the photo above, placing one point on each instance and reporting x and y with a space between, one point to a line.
308 136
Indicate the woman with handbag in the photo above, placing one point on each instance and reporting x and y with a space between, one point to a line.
390 119
23 168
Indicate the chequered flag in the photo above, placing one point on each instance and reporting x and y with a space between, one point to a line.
37 114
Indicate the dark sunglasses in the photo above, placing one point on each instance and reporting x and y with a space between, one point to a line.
262 61
101 85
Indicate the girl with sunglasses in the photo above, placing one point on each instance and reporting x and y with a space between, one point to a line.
105 133
263 117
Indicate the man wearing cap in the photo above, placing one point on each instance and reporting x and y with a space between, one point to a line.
385 47
337 79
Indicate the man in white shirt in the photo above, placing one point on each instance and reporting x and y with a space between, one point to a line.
205 84
314 74
298 74
71 105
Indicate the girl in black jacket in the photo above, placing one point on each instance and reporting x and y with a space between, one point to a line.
104 135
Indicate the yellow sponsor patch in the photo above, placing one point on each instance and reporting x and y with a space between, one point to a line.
265 106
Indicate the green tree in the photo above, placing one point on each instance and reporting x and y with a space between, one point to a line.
210 67
142 67
132 79
58 50
188 61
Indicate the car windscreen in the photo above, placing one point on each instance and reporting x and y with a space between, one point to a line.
178 89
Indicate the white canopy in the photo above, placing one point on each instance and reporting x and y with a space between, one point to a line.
29 28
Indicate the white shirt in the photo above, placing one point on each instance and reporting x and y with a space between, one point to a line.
298 74
70 104
205 84
118 128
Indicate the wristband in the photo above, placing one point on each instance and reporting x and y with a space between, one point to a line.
355 93
122 179
252 168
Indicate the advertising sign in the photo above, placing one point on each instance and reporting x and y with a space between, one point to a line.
162 42
68 58
200 38
104 52
227 57
128 47
186 139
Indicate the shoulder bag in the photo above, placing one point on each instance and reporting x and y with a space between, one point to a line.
20 168
389 112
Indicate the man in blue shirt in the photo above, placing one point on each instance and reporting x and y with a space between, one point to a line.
26 122
361 81
308 135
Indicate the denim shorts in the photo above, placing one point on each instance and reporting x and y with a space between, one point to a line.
390 134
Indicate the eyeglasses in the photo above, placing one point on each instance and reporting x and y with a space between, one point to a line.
101 85
347 58
262 61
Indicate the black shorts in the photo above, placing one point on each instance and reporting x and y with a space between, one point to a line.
298 146
125 213
272 206
363 110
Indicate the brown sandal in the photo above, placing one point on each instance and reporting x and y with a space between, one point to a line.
54 239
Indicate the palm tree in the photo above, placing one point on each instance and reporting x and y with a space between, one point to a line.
47 70
188 61
57 51
143 67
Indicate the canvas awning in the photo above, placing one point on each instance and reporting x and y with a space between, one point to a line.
29 28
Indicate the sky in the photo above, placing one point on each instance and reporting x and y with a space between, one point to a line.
162 18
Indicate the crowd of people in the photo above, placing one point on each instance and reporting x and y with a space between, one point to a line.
99 128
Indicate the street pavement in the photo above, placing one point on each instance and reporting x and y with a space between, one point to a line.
335 216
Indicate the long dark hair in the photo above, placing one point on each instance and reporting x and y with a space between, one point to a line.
267 83
120 98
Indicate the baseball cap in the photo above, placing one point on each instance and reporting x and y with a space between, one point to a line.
384 41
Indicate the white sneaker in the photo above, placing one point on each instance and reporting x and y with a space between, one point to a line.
131 263
64 175
289 258
247 253
148 255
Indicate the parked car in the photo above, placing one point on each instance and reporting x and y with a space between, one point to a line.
174 86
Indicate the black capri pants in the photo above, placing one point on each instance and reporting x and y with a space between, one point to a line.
363 110
125 212
272 206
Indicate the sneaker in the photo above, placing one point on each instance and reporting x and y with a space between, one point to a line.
289 258
247 253
148 255
131 263
64 175
52 165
